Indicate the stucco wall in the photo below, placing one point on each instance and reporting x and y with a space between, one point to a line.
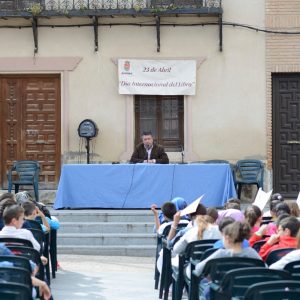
228 113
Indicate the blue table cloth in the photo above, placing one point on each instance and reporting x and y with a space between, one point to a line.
140 185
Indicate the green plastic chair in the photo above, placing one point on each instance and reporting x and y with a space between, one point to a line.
248 172
24 172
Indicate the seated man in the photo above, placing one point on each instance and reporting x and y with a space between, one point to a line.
148 152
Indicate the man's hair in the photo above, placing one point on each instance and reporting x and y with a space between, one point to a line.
169 210
12 212
147 133
29 208
292 224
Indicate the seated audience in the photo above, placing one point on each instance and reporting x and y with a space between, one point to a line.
275 199
284 238
224 222
3 204
281 208
289 257
294 208
253 216
13 217
31 212
234 213
44 290
233 236
180 204
203 230
213 213
173 235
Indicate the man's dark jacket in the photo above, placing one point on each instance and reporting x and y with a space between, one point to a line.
158 153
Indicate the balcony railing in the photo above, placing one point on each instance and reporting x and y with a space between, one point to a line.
61 6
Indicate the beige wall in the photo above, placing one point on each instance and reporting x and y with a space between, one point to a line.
227 117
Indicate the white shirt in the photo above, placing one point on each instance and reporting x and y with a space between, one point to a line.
13 232
289 257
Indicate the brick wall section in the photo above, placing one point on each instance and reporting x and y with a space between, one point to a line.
282 51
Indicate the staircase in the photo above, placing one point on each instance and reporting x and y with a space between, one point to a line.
106 232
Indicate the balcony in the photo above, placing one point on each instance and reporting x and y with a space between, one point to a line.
34 10
73 8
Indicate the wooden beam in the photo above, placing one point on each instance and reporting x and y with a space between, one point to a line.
220 33
34 24
95 23
158 33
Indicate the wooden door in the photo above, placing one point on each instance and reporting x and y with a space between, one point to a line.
30 124
286 134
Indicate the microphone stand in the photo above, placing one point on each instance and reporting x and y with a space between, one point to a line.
182 155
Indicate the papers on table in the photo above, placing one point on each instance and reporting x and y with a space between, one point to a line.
262 198
192 207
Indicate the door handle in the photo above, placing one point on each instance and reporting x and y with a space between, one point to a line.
293 142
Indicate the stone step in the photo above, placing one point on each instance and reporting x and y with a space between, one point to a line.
96 239
106 227
132 250
103 215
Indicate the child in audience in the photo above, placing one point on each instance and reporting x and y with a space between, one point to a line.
234 235
169 210
284 238
213 214
224 222
31 212
13 217
203 230
281 208
275 199
173 235
294 208
289 257
5 202
180 204
253 216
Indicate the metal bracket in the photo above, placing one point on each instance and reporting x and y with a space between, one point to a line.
220 33
158 32
95 23
34 24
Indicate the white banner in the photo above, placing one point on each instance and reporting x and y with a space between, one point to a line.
157 77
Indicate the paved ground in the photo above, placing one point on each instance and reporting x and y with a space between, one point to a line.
104 278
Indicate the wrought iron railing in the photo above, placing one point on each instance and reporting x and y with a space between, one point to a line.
38 6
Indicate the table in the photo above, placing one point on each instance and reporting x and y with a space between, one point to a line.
140 185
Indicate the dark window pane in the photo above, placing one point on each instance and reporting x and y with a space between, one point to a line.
163 115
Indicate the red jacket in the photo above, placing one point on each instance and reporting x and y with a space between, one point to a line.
284 242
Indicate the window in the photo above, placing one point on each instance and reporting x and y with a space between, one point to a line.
163 116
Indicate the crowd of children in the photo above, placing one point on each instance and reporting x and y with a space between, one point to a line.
236 231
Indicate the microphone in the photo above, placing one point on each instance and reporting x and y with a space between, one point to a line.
182 154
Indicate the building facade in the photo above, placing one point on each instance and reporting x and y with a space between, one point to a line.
59 66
